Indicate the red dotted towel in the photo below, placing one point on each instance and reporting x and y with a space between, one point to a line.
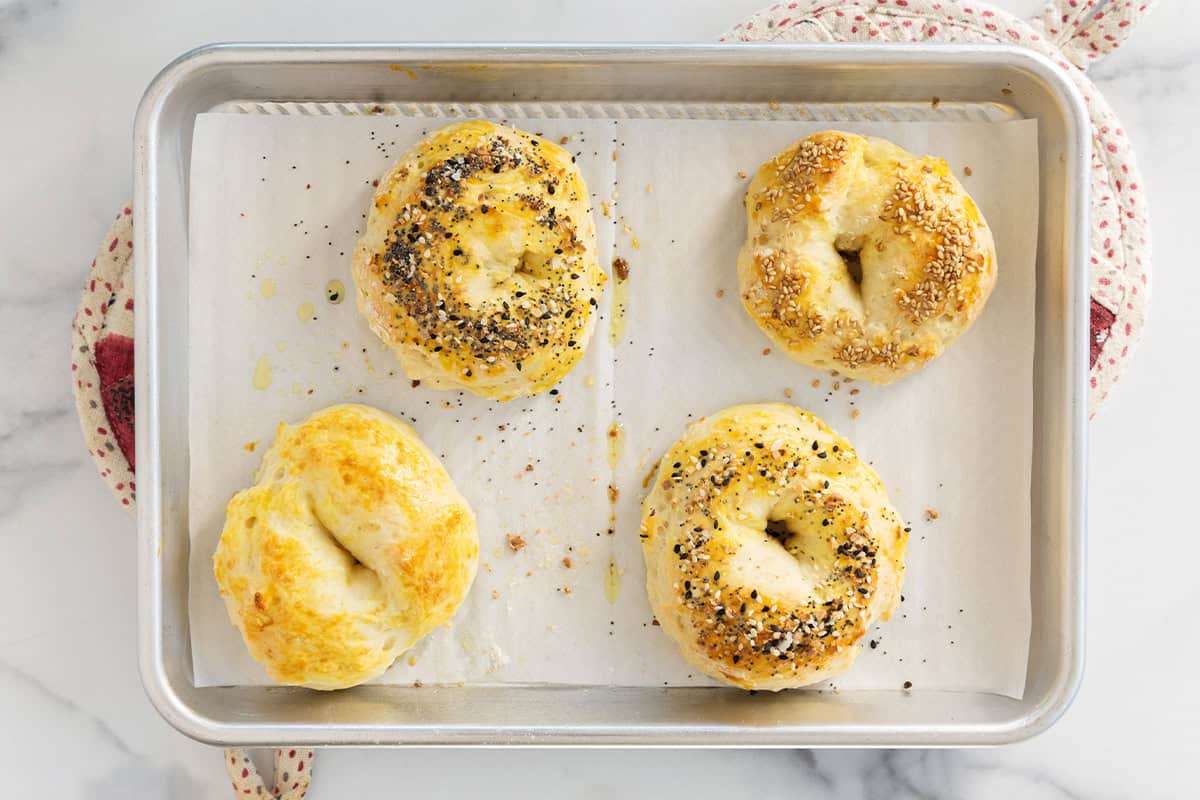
102 359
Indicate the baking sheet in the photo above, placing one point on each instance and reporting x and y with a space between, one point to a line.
277 203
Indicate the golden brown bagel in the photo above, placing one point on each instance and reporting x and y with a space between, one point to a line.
351 546
478 266
770 548
835 204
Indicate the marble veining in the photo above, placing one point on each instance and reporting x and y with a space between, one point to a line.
27 683
74 722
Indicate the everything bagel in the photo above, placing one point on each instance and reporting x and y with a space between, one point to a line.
770 548
478 266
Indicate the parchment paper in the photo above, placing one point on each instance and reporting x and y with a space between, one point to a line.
277 203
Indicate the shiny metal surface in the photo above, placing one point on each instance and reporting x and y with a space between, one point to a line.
994 81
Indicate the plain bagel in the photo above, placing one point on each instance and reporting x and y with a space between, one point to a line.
351 546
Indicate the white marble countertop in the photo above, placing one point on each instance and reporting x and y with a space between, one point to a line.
74 722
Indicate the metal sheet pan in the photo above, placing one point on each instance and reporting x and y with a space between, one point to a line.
828 82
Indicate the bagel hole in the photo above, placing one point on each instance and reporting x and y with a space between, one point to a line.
353 558
849 249
525 265
337 543
531 265
853 261
778 530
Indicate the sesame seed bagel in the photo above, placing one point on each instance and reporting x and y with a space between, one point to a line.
351 546
770 548
478 266
862 257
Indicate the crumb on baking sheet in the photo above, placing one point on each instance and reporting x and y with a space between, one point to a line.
773 104
529 467
766 351
855 414
854 392
565 590
968 172
787 392
621 268
931 514
907 685
720 293
250 446
515 542
566 562
816 382
741 175
613 493
614 155
649 189
564 140
637 243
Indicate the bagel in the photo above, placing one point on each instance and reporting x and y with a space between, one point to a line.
861 257
770 548
351 546
478 266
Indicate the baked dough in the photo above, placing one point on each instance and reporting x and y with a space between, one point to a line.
836 204
351 546
770 548
478 266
